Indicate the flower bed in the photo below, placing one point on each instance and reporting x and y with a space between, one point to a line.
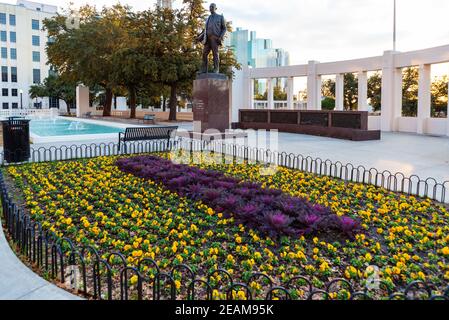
269 211
95 203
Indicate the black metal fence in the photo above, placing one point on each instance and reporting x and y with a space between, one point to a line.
107 275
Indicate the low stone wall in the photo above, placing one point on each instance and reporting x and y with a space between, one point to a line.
160 116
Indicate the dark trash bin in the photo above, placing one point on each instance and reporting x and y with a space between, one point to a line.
16 139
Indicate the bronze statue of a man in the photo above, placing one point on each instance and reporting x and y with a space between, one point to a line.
212 37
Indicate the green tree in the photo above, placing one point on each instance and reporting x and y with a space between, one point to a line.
328 103
375 91
350 93
168 37
440 97
328 88
410 78
85 54
56 87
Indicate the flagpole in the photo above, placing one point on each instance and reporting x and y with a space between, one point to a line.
394 27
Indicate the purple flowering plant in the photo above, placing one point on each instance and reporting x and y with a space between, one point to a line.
269 211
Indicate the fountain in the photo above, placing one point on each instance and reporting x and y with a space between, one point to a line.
76 126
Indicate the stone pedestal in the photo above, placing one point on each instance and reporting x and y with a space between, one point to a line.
211 102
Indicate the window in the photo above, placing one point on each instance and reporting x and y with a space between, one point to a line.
15 105
14 92
36 41
4 92
36 76
12 20
2 18
53 102
5 105
35 24
4 74
3 36
12 37
4 54
13 74
36 56
13 54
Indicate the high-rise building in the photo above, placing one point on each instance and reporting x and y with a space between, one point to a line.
165 3
23 60
257 53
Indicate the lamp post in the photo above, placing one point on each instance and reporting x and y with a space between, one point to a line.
21 99
394 25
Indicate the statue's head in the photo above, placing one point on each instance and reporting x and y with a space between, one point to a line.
213 8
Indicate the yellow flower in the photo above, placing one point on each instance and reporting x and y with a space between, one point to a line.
324 266
368 257
445 251
137 254
134 279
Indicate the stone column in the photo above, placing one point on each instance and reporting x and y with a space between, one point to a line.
397 107
290 93
391 93
313 87
424 97
82 100
239 93
251 93
362 91
270 93
339 92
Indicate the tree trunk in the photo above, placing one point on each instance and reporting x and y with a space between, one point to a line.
108 103
173 102
164 103
132 102
68 107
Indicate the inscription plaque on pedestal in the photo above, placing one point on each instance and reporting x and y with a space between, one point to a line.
211 103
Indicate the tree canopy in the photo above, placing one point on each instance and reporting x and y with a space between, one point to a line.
56 87
143 53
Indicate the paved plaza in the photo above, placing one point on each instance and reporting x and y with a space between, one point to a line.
18 282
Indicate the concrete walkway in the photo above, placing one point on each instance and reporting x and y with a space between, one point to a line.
17 282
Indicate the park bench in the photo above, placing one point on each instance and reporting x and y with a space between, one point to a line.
144 134
149 117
